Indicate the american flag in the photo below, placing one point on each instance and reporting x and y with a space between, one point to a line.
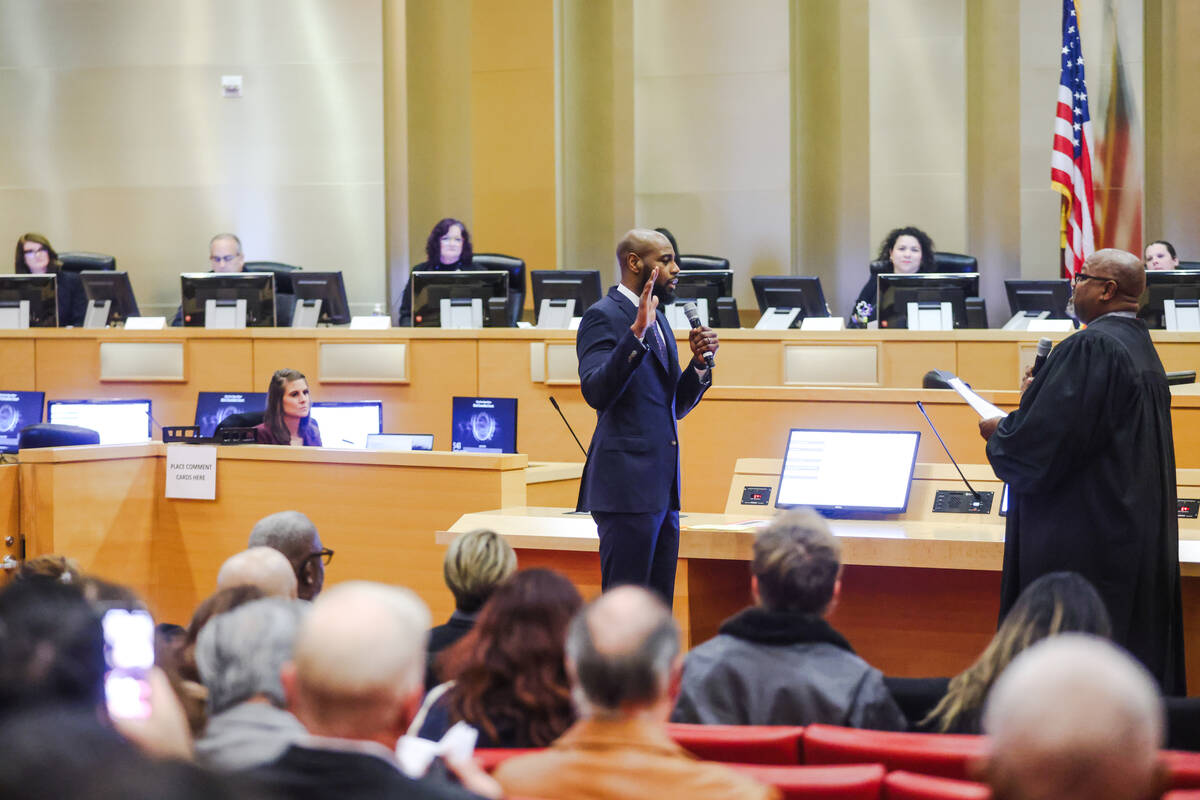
1071 162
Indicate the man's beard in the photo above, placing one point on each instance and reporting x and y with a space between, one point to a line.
665 293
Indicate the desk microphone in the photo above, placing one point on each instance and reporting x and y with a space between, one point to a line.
693 318
947 449
1043 352
554 403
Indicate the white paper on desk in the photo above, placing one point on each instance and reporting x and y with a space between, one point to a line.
982 407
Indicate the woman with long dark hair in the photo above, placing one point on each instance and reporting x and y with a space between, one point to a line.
36 256
508 676
906 250
286 420
447 248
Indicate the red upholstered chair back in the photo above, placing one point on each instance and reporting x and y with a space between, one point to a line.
740 744
902 785
490 757
848 782
946 755
1183 769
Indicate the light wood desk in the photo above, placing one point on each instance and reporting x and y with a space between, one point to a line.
104 507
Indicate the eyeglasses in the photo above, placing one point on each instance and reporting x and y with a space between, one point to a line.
223 259
35 251
1083 276
325 554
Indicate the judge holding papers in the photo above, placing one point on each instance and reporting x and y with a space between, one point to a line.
1090 465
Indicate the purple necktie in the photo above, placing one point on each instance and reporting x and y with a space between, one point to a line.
658 345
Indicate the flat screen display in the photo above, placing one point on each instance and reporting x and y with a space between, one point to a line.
1004 502
400 441
117 421
484 425
347 425
212 407
18 409
848 470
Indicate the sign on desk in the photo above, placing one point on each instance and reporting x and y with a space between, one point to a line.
191 472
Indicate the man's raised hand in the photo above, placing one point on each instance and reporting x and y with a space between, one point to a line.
647 308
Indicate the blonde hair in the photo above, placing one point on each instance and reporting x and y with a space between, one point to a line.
476 563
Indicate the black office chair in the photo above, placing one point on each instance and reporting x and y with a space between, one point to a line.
247 419
695 261
942 262
516 280
46 434
283 273
79 261
1193 266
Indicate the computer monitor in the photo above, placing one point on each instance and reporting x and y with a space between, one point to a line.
897 290
837 471
1161 285
330 289
400 441
347 425
256 288
459 288
581 285
706 284
117 421
39 293
790 291
18 409
484 424
213 407
101 285
1039 295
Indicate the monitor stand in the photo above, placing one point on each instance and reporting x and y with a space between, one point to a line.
306 313
461 312
1020 320
1181 315
97 314
679 321
225 314
930 316
556 313
777 319
14 314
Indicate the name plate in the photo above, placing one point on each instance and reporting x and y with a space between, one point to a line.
191 472
378 322
145 323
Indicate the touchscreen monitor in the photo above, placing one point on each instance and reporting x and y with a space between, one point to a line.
213 407
848 470
484 425
117 421
348 424
18 409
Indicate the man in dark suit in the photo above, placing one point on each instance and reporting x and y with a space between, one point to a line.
629 372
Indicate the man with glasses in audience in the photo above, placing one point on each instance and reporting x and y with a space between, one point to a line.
294 535
1090 465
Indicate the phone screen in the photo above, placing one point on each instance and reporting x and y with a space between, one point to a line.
129 653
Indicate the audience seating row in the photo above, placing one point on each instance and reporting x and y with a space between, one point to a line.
839 761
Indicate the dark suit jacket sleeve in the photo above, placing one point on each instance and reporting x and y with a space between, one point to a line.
690 389
608 358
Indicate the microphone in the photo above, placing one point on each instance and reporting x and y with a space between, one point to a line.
693 318
554 403
976 495
1043 352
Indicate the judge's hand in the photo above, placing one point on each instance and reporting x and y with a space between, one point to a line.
988 426
1027 378
647 307
702 340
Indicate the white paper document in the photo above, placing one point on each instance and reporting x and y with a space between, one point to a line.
982 407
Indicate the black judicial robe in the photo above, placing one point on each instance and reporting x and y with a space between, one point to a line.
1090 465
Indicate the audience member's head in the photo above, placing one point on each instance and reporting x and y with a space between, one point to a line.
1074 717
225 253
51 648
49 567
510 680
1160 254
294 535
239 654
476 563
623 655
264 567
358 665
449 243
796 564
909 250
219 602
1057 603
35 255
103 595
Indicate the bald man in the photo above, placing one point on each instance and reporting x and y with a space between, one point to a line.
294 534
629 372
1074 718
623 661
264 567
1090 466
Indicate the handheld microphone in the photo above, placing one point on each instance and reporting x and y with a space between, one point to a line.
1043 352
693 318
974 493
554 403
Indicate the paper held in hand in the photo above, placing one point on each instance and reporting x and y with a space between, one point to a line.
982 407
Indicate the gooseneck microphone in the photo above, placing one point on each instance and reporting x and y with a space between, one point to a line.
1043 352
554 403
693 318
947 449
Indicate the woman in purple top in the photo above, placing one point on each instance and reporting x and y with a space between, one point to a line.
286 420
